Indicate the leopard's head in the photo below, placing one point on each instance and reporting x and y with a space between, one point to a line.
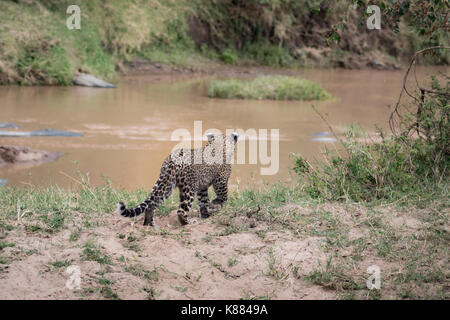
222 143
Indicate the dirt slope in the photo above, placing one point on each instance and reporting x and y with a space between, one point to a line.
188 263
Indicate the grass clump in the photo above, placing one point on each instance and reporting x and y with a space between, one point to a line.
92 253
335 276
391 170
5 244
61 263
268 87
139 270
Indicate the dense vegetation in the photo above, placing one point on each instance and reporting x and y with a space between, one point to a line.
37 48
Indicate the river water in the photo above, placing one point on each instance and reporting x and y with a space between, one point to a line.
127 131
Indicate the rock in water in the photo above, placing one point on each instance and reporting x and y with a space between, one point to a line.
323 134
44 132
324 139
14 134
3 182
87 80
17 155
55 133
8 125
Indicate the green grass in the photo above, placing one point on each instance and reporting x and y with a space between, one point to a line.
152 294
5 244
44 51
139 270
275 269
335 276
91 252
232 261
268 87
61 263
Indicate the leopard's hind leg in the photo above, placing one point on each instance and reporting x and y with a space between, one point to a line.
221 189
203 203
161 191
186 200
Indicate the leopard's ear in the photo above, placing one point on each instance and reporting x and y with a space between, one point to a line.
235 136
210 136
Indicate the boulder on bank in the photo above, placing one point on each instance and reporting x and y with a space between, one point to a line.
12 155
87 80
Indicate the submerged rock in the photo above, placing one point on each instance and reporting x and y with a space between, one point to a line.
323 134
52 132
324 139
8 125
14 134
44 132
87 80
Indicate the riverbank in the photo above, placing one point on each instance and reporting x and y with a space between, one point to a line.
273 243
382 208
189 35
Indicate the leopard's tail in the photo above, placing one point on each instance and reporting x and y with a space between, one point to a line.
123 211
160 192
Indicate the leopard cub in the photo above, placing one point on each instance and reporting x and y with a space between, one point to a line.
193 171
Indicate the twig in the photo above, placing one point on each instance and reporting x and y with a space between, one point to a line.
80 183
404 89
329 127
254 211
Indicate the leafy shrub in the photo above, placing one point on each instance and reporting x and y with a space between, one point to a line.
229 56
397 167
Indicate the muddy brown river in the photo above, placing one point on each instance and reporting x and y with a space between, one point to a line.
127 131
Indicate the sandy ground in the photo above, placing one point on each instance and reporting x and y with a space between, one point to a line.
211 260
189 264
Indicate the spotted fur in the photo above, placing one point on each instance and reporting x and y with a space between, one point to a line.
192 171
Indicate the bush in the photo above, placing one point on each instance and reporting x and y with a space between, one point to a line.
268 87
229 56
403 166
268 55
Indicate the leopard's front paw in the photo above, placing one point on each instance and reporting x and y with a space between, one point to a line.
204 214
182 217
150 223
